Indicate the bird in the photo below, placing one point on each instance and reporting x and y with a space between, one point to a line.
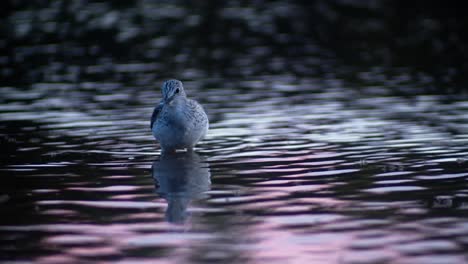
177 122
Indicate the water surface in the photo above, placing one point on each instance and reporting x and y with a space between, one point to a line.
301 164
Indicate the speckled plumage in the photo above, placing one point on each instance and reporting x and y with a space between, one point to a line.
177 121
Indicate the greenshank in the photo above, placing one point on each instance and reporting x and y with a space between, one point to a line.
177 121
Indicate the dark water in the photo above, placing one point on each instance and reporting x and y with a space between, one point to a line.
308 160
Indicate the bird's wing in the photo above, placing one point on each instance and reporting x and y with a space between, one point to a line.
155 114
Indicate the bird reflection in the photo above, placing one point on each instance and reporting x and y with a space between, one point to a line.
180 178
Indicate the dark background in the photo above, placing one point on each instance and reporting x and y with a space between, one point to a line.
422 42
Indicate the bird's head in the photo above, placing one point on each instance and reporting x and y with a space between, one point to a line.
172 89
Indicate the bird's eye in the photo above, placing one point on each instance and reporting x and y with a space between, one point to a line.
177 91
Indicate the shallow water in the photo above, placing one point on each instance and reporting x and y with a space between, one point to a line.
311 169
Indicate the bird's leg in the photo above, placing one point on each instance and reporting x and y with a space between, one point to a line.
168 151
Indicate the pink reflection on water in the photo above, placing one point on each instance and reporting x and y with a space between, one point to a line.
279 244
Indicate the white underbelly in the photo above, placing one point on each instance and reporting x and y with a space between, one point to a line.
179 136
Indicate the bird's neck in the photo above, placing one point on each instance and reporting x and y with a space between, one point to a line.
177 101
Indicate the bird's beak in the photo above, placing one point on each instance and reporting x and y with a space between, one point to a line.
169 100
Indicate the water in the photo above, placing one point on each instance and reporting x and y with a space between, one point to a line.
296 168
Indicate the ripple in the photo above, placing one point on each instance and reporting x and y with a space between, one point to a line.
395 189
443 176
305 219
159 240
106 189
74 240
418 247
103 204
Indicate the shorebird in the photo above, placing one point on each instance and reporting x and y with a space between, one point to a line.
177 121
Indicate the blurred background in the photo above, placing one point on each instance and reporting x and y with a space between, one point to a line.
421 42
